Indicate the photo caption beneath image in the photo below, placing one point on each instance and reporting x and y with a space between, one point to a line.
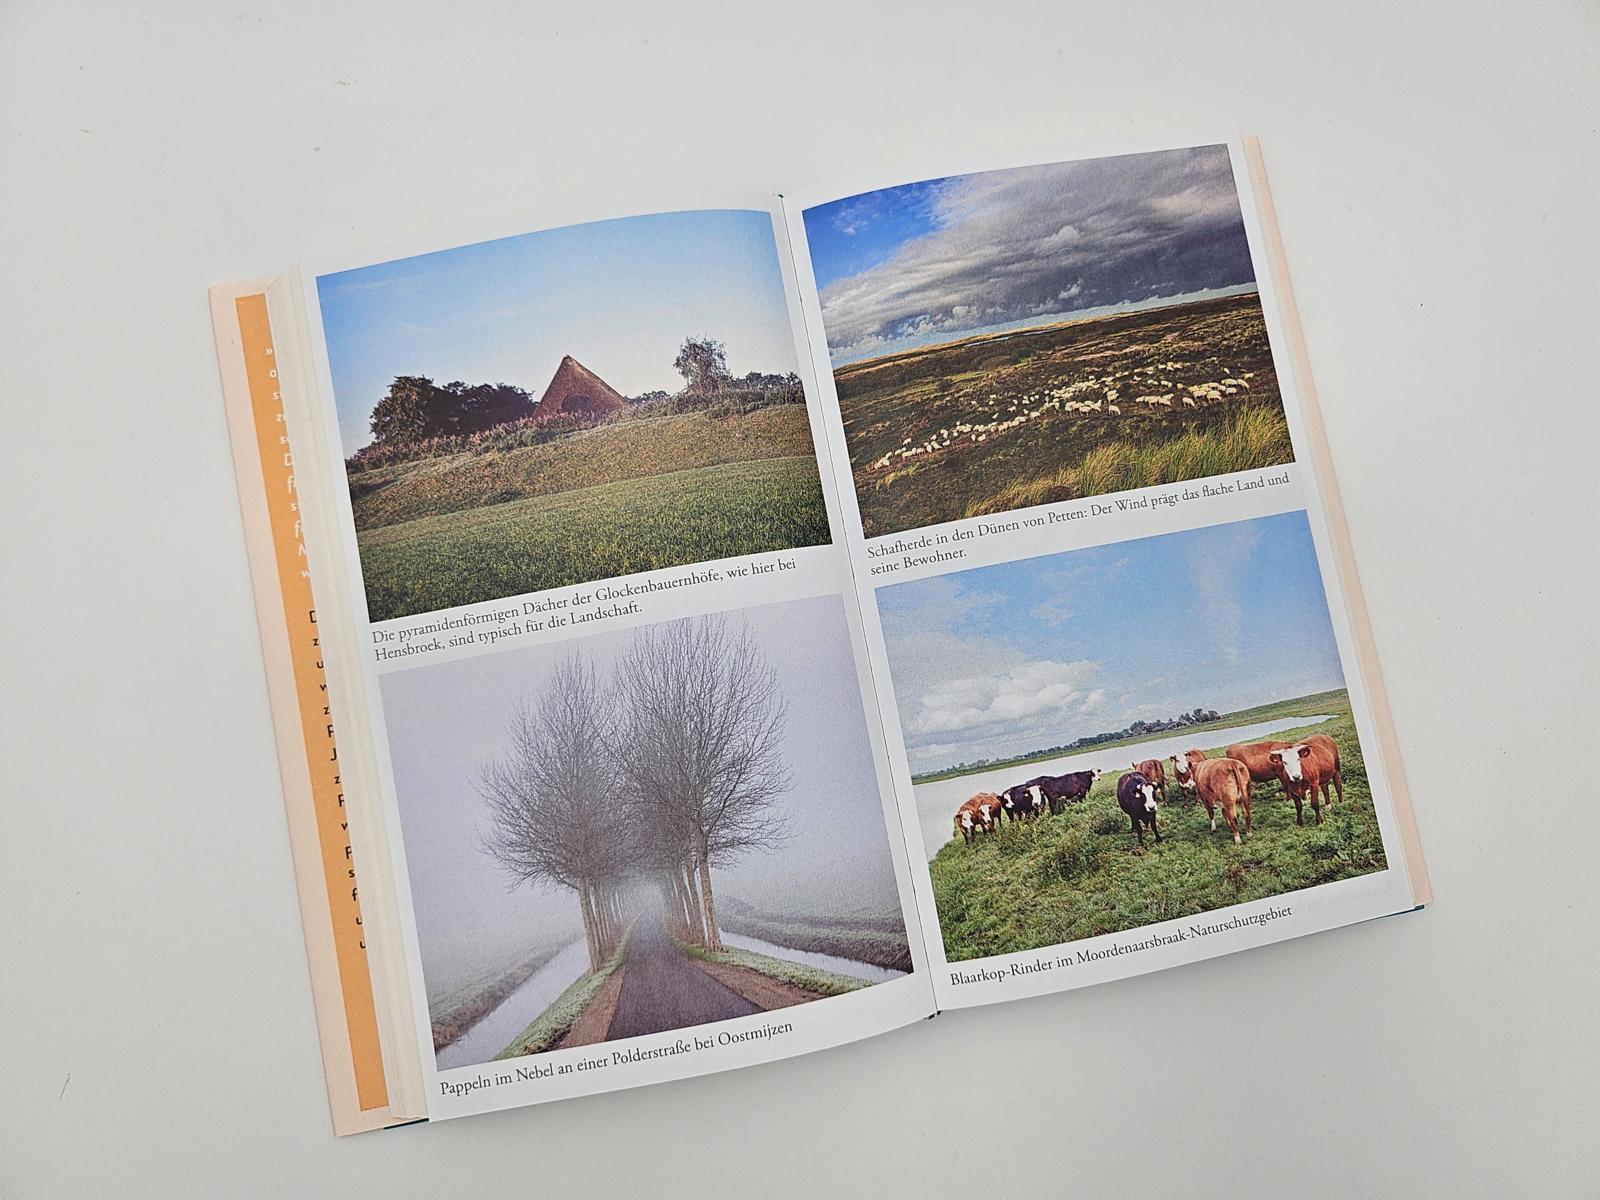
898 553
590 604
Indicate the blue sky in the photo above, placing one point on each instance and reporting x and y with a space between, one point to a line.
851 235
944 258
1004 659
619 296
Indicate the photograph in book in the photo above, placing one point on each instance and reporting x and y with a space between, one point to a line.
642 831
1112 737
1024 336
570 405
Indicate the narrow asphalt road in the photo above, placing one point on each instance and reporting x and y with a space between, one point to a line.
662 989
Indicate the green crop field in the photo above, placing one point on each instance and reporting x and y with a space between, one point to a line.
1082 873
592 533
634 495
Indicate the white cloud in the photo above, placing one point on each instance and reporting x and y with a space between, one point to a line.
1013 698
1007 245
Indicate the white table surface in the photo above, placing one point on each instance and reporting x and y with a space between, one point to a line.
1436 173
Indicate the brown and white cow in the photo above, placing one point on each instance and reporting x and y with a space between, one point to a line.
1305 770
1184 778
1152 770
980 814
1257 758
1222 783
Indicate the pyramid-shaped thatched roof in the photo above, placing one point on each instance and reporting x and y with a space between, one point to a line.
574 390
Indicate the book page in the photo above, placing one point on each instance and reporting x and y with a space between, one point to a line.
598 629
1129 719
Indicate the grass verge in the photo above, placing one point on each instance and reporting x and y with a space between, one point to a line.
813 979
462 1013
880 947
550 1026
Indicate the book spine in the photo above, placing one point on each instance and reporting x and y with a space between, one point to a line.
308 757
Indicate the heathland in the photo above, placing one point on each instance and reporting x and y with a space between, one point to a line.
1083 408
1082 873
534 505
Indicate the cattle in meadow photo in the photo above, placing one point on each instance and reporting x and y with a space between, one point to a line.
1024 802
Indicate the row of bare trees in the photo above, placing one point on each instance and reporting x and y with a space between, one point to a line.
667 767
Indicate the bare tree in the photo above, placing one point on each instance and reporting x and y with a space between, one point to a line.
552 802
702 723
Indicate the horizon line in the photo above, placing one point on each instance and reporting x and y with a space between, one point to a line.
1046 321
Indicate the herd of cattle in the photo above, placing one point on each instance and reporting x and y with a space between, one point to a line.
1308 770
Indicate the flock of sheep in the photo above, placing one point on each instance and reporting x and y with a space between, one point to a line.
1003 415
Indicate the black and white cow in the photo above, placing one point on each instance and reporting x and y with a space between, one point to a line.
1062 790
1024 802
1136 794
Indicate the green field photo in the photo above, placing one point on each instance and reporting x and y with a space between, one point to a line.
634 441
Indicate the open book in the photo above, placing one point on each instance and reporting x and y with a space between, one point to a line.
699 638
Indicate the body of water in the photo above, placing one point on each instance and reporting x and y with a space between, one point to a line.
493 1033
937 802
828 962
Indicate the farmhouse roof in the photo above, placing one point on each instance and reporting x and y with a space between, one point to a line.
576 389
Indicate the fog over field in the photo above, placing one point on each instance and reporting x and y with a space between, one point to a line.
446 722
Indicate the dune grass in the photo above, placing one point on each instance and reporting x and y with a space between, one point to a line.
1082 873
1252 436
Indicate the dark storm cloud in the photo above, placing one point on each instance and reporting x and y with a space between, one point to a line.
1035 241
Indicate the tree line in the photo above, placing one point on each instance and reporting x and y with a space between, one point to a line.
667 767
1140 728
416 409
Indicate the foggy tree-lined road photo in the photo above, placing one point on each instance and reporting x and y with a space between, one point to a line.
642 831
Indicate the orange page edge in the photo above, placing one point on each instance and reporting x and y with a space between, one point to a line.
341 982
